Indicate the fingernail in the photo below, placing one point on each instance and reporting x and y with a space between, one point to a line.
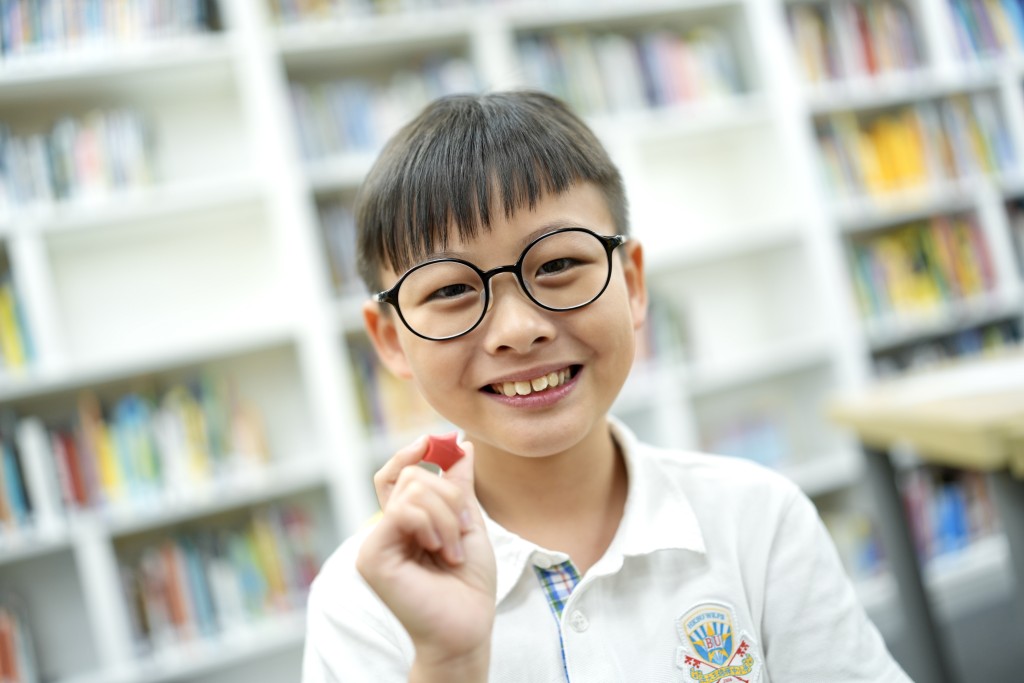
466 519
435 540
458 554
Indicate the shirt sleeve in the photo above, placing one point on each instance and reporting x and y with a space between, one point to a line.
351 637
814 627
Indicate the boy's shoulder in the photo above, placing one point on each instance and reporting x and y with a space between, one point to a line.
703 474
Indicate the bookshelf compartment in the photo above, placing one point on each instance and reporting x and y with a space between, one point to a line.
683 190
732 309
848 41
779 423
238 572
616 63
150 451
344 104
896 149
188 132
170 276
49 590
17 350
931 350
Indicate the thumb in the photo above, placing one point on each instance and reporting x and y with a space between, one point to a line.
461 473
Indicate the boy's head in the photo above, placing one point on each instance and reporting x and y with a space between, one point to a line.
496 224
464 157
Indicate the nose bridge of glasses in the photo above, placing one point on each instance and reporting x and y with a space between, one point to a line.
512 268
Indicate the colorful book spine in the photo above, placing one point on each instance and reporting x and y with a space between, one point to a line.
33 27
848 39
610 72
18 660
198 584
987 28
919 267
948 510
973 341
912 147
78 159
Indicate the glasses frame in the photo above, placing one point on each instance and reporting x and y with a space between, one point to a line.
610 243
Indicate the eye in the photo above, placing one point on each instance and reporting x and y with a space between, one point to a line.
556 266
449 292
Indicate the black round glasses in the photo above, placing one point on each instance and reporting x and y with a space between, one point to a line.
559 271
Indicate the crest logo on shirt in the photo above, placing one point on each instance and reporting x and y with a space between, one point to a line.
713 651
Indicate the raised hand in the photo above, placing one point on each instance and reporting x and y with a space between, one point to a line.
430 561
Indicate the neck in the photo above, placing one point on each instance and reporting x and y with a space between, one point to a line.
570 501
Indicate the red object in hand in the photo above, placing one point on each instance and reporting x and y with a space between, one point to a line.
443 451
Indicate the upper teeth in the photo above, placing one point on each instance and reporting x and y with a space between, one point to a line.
526 387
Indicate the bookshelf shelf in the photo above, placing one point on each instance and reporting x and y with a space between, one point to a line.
209 656
762 364
531 14
870 213
746 241
342 172
891 331
139 205
690 119
896 89
22 545
826 473
276 480
308 43
128 66
211 346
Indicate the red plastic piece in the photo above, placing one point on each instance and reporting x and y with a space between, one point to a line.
443 451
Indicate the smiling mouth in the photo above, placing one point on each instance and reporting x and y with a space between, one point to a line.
535 385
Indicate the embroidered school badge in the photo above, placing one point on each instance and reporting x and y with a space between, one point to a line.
713 651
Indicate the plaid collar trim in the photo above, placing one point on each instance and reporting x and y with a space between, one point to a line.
558 583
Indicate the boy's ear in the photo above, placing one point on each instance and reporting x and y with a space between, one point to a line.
381 328
636 285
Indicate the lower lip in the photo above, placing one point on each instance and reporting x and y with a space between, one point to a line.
542 399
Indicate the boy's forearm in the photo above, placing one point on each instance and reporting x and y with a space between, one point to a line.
469 668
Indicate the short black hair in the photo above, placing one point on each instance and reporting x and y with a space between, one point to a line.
443 168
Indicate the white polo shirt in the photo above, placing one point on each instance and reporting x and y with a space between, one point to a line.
720 572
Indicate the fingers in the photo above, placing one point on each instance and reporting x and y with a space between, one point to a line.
385 478
431 512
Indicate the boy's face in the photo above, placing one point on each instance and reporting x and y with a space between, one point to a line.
589 350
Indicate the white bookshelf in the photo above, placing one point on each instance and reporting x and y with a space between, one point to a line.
218 264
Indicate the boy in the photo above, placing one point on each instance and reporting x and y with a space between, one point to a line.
558 548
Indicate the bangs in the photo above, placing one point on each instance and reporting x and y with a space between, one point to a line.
465 157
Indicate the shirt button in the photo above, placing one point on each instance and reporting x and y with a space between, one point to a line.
578 622
543 561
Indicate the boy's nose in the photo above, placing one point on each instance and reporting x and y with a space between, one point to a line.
514 321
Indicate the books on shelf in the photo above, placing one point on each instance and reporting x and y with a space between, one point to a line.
77 159
920 266
857 541
34 27
295 11
987 338
757 435
17 656
612 72
987 29
846 39
142 449
360 114
389 404
200 583
16 349
948 509
339 232
874 154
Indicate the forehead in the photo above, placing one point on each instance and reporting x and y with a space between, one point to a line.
581 205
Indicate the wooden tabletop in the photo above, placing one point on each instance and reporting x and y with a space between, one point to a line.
968 415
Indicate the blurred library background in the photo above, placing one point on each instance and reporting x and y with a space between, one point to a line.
830 193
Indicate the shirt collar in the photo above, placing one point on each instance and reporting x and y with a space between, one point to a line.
657 516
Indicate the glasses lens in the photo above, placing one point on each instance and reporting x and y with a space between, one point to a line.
441 299
566 269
